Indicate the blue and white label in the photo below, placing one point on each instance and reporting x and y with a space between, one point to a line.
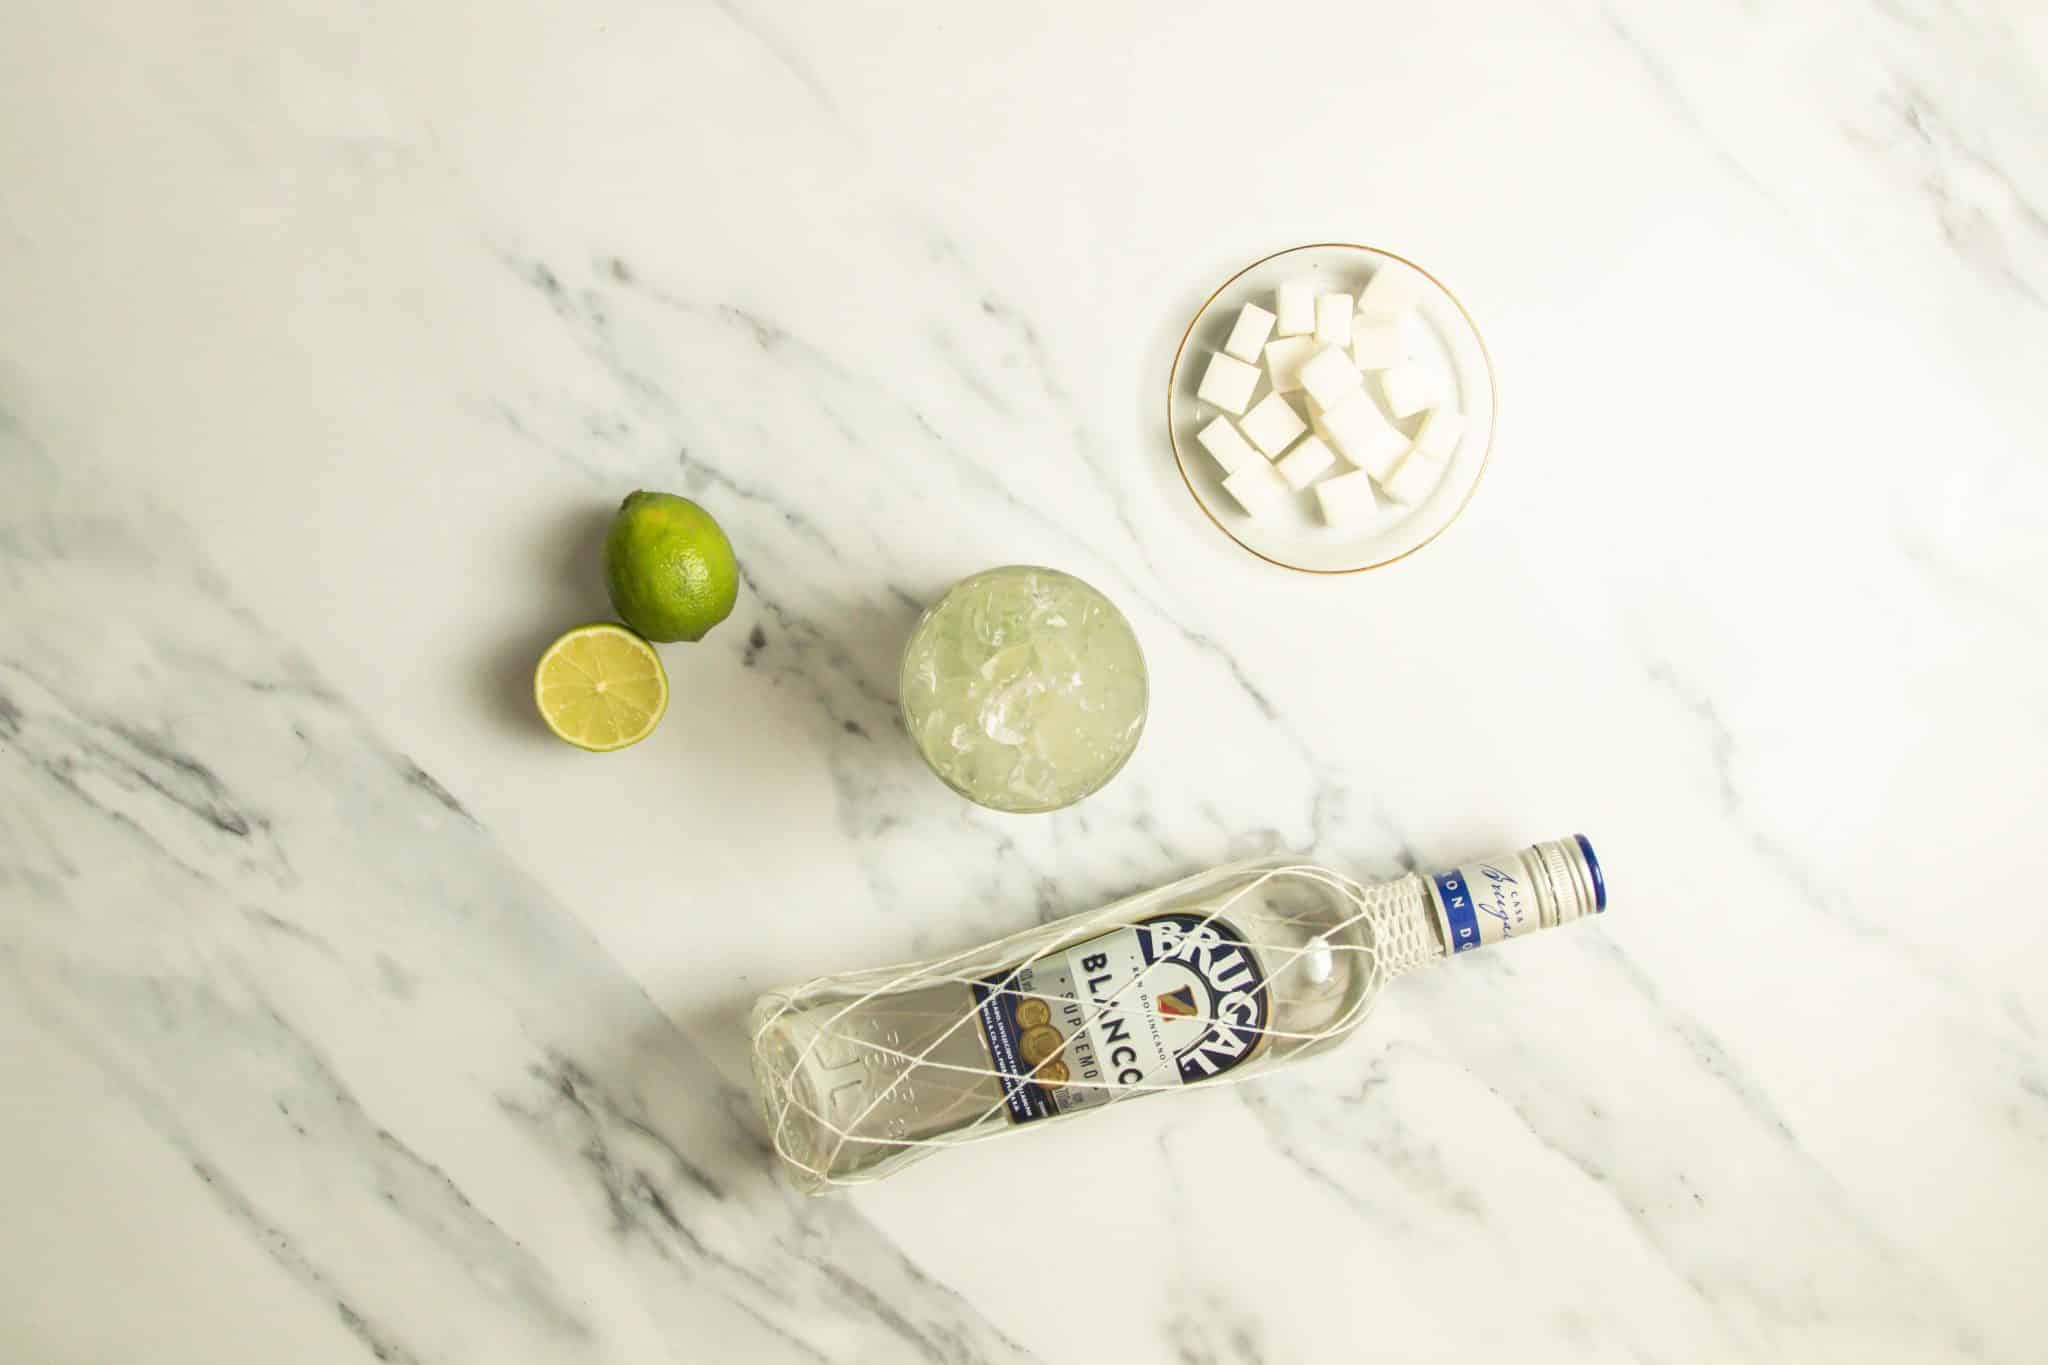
1173 1000
1485 903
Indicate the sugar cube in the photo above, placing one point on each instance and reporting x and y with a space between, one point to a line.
1348 501
1297 305
1392 289
1225 446
1329 376
1438 435
1363 436
1413 478
1248 337
1257 488
1413 332
1283 361
1333 319
1228 383
1305 463
1378 343
1409 389
1272 425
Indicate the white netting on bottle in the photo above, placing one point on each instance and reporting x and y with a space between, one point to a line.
863 1072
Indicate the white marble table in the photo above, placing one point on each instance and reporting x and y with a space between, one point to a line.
343 1015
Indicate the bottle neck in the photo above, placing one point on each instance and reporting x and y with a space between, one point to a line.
1492 901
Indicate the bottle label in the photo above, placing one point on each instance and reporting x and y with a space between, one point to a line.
1485 903
1169 1001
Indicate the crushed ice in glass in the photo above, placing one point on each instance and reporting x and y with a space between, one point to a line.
1024 688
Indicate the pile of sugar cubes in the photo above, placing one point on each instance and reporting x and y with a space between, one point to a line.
1322 346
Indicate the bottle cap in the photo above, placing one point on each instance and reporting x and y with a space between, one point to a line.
1571 884
1541 887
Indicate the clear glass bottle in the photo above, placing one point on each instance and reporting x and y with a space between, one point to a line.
1223 975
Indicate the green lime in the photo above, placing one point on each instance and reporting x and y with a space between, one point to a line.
601 687
668 567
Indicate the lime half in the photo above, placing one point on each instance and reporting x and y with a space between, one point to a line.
601 687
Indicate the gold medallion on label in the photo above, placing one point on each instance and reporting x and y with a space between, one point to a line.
1039 1043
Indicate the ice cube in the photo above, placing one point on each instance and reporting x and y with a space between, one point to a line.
1057 659
1005 663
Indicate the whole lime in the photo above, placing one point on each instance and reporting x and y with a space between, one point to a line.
668 567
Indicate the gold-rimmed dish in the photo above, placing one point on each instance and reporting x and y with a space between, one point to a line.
1294 536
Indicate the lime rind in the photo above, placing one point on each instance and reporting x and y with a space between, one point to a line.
669 567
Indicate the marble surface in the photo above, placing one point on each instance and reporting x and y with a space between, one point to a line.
344 1016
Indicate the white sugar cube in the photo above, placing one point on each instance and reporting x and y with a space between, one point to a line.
1297 305
1333 319
1348 501
1409 389
1392 289
1248 337
1414 332
1413 478
1305 463
1258 490
1378 343
1272 425
1438 435
1228 383
1284 360
1225 446
1363 436
1329 376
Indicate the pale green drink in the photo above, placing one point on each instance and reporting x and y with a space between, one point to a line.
1024 689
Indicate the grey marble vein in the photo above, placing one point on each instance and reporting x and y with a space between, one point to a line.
343 1016
834 656
283 946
